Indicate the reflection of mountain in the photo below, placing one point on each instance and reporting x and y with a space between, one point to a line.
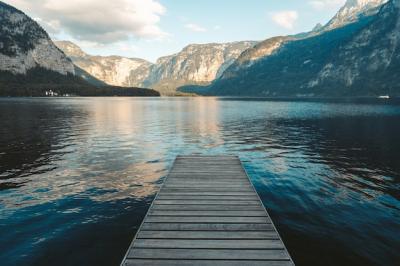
357 153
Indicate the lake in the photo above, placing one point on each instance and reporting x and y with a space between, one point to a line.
77 175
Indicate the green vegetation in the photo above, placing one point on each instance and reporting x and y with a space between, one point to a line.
39 80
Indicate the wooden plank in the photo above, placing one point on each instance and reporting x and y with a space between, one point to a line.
198 207
169 262
209 243
223 193
206 186
207 213
205 219
258 213
208 235
204 197
209 202
187 181
206 190
168 253
206 227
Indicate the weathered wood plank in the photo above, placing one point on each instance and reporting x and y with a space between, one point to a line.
206 227
247 254
198 207
257 213
223 193
206 190
208 235
207 213
203 197
209 244
210 202
169 262
205 219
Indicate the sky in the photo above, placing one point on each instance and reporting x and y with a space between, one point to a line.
150 29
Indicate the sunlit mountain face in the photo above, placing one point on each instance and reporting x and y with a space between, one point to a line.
346 58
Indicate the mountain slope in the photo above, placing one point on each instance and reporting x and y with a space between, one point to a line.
350 12
370 62
195 64
113 70
24 45
30 63
358 59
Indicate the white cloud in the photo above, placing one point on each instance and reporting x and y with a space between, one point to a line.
285 19
98 21
326 4
195 27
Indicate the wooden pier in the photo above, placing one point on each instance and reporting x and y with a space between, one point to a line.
207 213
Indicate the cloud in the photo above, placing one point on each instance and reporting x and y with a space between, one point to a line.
326 4
195 27
285 19
98 21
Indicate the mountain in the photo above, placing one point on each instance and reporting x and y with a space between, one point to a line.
31 64
370 62
112 70
249 56
24 45
195 64
350 12
360 58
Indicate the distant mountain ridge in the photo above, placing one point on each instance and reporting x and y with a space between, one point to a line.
113 70
358 58
195 64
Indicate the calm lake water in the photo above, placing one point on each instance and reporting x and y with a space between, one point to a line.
78 174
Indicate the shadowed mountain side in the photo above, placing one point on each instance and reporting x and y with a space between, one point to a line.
358 59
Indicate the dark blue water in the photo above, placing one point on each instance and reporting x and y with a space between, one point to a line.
77 175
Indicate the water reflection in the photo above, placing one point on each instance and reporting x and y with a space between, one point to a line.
327 172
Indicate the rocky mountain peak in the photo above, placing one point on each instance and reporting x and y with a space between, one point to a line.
25 45
194 64
70 48
353 10
317 27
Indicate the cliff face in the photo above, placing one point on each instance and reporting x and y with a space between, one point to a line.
24 45
352 11
195 64
349 13
361 58
113 70
370 61
249 56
